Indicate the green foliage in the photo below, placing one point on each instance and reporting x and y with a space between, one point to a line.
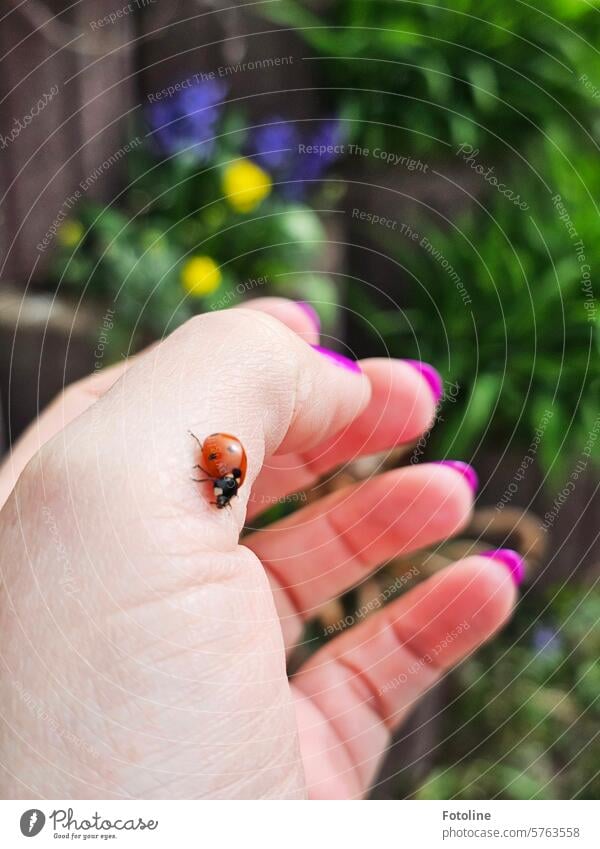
526 340
497 297
525 711
451 71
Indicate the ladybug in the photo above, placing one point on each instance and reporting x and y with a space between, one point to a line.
224 463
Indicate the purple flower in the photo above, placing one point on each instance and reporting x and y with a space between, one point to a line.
274 145
546 640
188 119
295 159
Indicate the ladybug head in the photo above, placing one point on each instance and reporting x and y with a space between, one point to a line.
225 490
228 486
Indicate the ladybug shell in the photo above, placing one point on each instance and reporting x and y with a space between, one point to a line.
222 453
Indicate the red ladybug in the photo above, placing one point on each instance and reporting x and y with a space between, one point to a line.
224 462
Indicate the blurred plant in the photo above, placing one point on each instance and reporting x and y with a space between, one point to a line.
188 121
529 708
297 159
501 292
501 302
205 219
425 75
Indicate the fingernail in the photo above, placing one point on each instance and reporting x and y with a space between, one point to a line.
468 472
338 359
430 374
511 559
311 313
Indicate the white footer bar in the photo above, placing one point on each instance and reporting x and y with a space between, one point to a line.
301 825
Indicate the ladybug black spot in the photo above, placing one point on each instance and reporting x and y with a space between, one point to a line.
227 485
212 456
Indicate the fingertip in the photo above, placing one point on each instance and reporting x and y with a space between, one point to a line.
338 359
431 376
311 313
424 400
453 492
512 560
490 588
411 400
466 471
294 314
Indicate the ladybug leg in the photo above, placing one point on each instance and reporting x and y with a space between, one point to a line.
198 466
193 435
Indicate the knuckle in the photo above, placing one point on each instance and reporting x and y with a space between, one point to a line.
244 324
249 344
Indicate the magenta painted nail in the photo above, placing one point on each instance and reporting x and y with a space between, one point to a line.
338 359
511 559
430 374
311 313
468 472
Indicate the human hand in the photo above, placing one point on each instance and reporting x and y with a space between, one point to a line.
144 647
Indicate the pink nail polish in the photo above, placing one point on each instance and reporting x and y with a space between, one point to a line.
432 377
338 359
311 313
511 559
468 472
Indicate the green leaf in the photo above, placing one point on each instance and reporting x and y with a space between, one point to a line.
484 85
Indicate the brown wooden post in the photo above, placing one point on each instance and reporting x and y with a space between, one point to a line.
67 90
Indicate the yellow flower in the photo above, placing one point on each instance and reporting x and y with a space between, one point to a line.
245 185
70 233
200 275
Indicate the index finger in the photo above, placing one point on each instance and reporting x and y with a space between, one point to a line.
238 371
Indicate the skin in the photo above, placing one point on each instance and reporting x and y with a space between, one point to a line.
144 649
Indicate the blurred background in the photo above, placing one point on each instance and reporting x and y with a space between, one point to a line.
427 176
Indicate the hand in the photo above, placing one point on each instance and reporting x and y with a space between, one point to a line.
144 647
